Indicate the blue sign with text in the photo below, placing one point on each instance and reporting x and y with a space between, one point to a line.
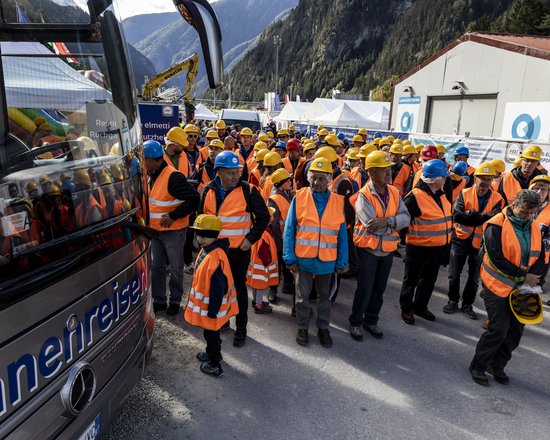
157 119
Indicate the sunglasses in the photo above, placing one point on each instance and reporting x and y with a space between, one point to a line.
192 135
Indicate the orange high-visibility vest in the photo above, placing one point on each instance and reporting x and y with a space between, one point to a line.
510 187
196 312
496 182
416 177
471 203
402 178
459 187
83 217
266 188
318 238
283 205
543 218
161 202
288 164
492 278
363 238
356 175
255 177
236 220
250 162
183 164
433 227
259 276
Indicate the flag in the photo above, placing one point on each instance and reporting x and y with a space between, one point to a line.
21 16
61 49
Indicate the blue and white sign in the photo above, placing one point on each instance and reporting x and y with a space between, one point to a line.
526 121
408 111
157 119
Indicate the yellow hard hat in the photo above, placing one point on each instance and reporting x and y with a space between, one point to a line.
362 132
378 159
366 149
353 154
89 144
115 150
279 175
177 135
499 165
216 143
391 138
406 142
270 135
328 153
539 178
526 307
322 132
320 127
104 179
385 141
396 148
260 145
440 149
220 125
54 190
260 155
485 169
409 149
212 134
309 146
533 152
376 141
82 176
246 132
321 164
263 137
126 204
282 132
398 141
357 138
116 172
207 222
517 161
332 139
191 128
272 159
31 186
44 178
291 127
419 147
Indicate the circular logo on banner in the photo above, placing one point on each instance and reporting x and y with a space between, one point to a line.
407 120
526 127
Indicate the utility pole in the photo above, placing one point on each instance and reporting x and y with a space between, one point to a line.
277 43
229 86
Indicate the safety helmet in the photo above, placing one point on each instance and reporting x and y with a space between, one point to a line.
409 149
260 155
44 178
293 145
281 145
460 168
321 164
279 175
270 135
322 132
435 168
485 169
418 147
54 190
89 144
353 154
526 307
104 179
341 136
216 143
357 138
116 172
227 159
291 127
332 140
220 125
396 148
517 161
272 159
177 135
81 176
282 132
115 150
429 152
462 150
385 141
246 132
376 141
260 145
309 146
378 159
212 134
499 165
190 128
207 222
440 149
391 138
407 142
328 153
152 149
320 127
362 132
263 137
30 186
533 152
366 149
540 178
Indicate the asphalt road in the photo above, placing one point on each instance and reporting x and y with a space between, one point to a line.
412 384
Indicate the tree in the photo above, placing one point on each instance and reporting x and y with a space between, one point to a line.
524 17
383 92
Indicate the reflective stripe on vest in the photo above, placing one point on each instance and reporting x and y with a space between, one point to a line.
433 227
196 312
161 203
496 281
236 221
259 276
363 238
318 238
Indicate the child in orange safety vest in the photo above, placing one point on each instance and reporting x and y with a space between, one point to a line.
213 298
263 269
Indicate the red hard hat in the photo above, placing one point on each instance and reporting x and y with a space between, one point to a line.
429 152
293 144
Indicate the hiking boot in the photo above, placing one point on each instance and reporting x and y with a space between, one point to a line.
203 356
240 337
479 376
356 332
272 296
426 314
302 337
450 308
408 317
374 330
324 337
173 309
499 375
159 307
211 369
469 312
262 309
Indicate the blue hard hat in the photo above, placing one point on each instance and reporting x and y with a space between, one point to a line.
462 150
435 168
227 159
341 136
281 144
377 135
152 149
460 168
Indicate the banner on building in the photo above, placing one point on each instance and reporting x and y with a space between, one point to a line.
526 121
311 130
408 111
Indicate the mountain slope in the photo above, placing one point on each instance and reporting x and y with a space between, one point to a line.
139 27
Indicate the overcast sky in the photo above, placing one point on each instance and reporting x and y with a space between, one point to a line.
128 8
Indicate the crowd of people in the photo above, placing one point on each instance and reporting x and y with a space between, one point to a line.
275 208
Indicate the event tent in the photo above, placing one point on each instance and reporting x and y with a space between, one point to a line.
294 111
343 116
203 112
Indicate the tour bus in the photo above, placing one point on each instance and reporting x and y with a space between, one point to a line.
76 318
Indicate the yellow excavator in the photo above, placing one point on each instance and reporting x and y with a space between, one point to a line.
150 88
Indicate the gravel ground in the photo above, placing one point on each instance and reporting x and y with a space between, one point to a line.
412 384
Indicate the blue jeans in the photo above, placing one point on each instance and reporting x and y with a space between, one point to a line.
168 256
459 254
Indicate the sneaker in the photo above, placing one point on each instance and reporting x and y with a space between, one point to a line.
302 338
479 376
173 309
374 330
240 337
499 375
356 332
272 296
450 308
469 312
266 304
211 369
262 309
324 337
188 268
408 317
426 314
159 307
203 356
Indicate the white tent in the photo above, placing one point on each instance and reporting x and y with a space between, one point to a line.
294 111
203 112
44 82
343 116
320 107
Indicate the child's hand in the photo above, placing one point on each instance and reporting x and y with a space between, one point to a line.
245 245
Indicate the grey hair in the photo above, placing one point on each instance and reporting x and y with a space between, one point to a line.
527 199
310 175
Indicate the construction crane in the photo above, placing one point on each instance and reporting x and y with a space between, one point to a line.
150 88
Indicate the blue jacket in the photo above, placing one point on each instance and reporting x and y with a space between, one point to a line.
313 265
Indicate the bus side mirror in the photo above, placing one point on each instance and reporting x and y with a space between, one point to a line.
200 15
